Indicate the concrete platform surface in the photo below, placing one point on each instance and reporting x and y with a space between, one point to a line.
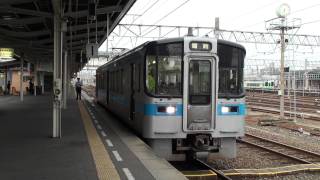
28 152
93 144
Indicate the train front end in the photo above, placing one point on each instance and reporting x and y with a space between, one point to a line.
187 116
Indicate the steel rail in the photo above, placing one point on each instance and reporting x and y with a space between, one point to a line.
281 145
219 173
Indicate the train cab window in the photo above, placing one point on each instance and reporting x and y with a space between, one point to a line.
231 63
199 82
169 75
164 69
151 74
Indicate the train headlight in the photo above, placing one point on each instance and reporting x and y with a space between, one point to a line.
171 110
225 109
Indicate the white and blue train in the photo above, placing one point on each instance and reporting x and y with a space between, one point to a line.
182 95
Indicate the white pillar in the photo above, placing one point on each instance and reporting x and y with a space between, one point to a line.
21 78
42 82
35 78
57 68
64 82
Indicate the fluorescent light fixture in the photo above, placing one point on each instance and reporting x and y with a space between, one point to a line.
6 59
225 109
171 110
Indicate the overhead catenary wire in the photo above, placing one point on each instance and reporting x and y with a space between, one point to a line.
311 22
253 11
166 15
160 19
299 10
144 12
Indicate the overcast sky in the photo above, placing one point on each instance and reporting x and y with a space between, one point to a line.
234 14
246 15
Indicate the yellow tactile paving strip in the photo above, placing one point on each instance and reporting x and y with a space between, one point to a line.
203 173
104 165
273 171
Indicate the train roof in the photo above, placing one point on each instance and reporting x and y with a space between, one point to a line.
164 41
229 43
161 41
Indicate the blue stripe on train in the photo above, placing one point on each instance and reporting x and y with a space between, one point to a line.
152 110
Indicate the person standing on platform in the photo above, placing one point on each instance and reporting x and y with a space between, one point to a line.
8 87
31 87
78 88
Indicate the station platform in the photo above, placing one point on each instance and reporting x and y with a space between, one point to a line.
94 145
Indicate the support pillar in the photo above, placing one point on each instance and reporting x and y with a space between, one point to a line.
107 41
21 78
64 82
35 78
42 82
57 70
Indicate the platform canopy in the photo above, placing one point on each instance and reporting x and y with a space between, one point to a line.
27 25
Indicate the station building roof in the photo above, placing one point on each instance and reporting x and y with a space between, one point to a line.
27 25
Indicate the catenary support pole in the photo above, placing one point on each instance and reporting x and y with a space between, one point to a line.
282 72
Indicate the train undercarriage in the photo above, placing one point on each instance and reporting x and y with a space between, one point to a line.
194 146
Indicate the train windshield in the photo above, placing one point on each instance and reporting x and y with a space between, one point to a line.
231 62
164 69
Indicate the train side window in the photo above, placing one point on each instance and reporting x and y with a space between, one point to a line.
122 80
134 76
117 81
112 81
266 84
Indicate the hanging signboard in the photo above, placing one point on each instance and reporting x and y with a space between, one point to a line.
92 50
6 54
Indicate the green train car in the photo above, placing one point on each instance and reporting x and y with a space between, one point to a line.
268 85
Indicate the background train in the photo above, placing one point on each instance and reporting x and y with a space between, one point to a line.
263 85
182 95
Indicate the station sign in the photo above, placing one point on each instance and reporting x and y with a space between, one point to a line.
6 54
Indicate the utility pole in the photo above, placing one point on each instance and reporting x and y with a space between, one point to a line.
216 27
282 28
280 23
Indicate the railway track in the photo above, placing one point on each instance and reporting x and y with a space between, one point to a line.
304 115
220 174
198 169
297 154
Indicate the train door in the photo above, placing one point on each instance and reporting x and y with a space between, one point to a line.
199 93
132 91
107 86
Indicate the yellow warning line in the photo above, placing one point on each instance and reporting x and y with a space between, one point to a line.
204 173
104 166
